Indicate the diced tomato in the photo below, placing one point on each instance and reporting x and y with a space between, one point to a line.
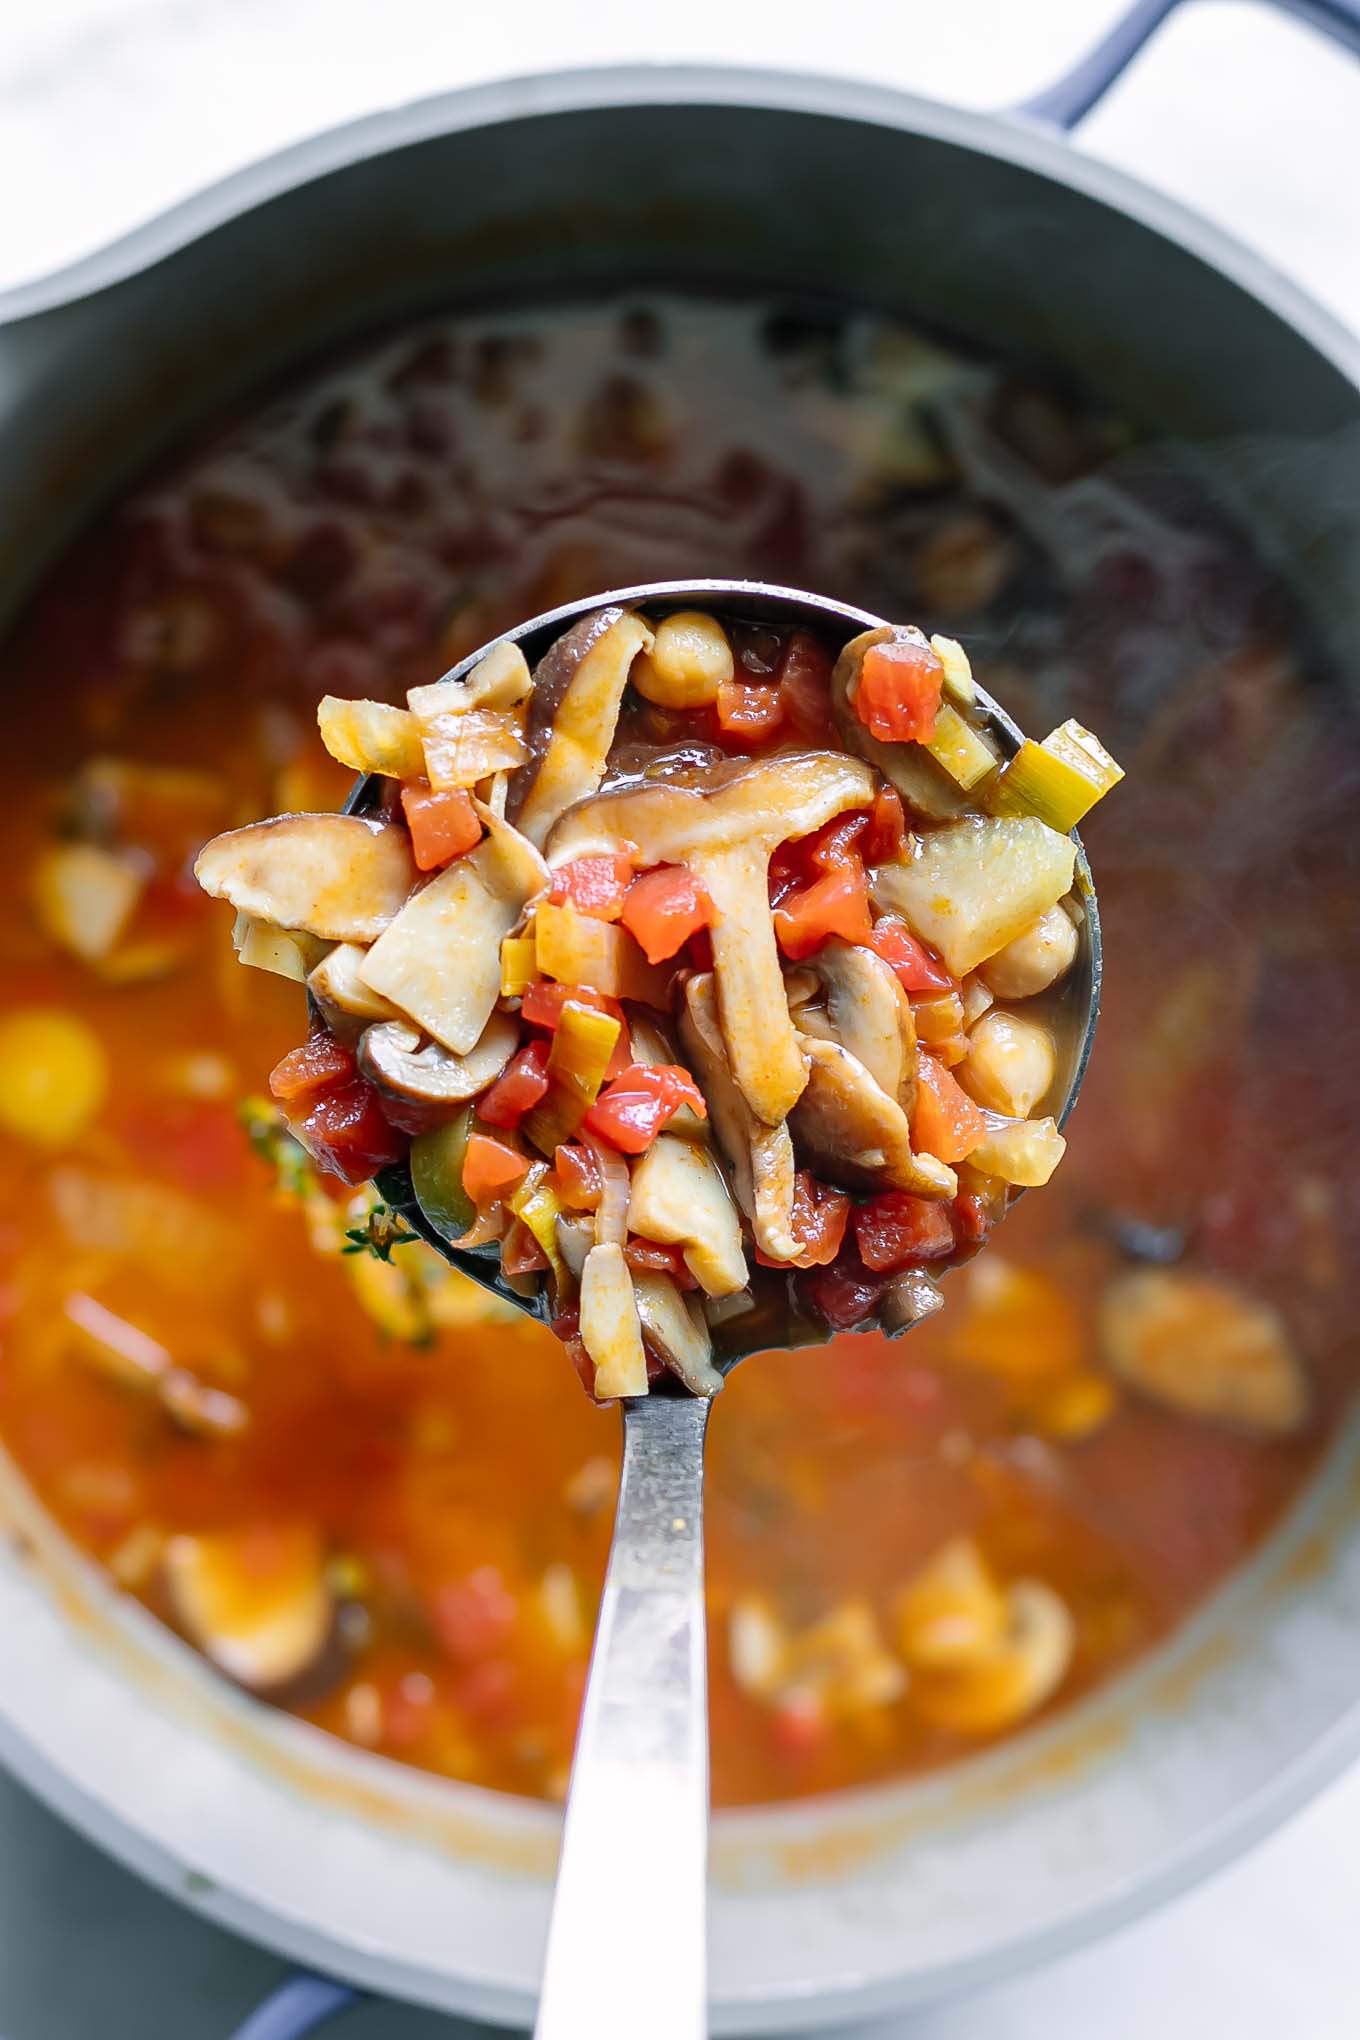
319 1065
749 713
701 950
887 830
491 1168
818 1221
974 1217
442 825
650 1256
837 904
566 1326
918 968
520 1252
520 1086
828 847
898 1231
346 1134
663 908
473 1618
944 1120
845 1293
579 1185
542 1003
631 1112
805 689
594 885
898 694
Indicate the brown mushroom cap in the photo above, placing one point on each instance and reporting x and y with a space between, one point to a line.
854 1134
573 713
342 877
416 1082
870 1015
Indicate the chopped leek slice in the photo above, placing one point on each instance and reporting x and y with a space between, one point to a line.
436 1164
962 751
518 968
537 1204
582 1047
958 674
1059 780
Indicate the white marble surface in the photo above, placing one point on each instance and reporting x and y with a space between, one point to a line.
109 109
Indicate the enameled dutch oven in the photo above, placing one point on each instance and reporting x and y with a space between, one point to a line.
986 225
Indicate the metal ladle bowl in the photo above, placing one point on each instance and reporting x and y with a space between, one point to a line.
635 1839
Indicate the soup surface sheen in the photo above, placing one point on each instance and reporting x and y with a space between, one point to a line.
241 1419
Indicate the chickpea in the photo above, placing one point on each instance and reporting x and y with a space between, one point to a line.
1037 958
1011 1063
690 660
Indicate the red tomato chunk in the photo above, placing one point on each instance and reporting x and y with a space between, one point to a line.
918 970
442 825
522 1084
898 1231
664 908
898 696
594 885
632 1111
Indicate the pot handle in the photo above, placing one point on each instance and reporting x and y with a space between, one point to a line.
1071 98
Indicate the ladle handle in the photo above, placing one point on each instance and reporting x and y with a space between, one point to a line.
626 1942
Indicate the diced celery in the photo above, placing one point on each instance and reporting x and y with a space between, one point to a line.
436 1165
537 1204
518 967
958 674
962 751
1059 781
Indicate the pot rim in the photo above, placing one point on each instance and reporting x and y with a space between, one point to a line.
1013 137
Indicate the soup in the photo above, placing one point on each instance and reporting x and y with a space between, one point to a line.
364 1489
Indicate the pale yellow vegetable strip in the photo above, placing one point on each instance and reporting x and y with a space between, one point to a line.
960 750
371 736
611 1331
536 1203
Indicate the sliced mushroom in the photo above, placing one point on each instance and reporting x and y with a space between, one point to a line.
575 1238
870 1015
725 825
759 1156
256 1602
440 960
573 714
925 786
500 679
344 1001
1201 1346
678 1198
854 1134
610 1329
909 1298
675 1329
412 1080
971 888
343 877
1008 1681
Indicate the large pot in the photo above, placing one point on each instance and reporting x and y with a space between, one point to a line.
439 1892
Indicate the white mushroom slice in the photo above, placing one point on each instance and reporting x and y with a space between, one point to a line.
440 960
584 715
678 1198
725 831
255 1601
676 1330
371 736
854 1134
575 1238
925 786
610 1328
972 887
286 952
1202 1347
500 679
410 1076
345 1002
759 1156
870 1015
343 877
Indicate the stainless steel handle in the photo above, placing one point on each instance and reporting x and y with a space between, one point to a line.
626 1943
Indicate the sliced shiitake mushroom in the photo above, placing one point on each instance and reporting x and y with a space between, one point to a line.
724 825
344 1001
342 877
678 1197
854 1134
676 1330
573 713
257 1602
759 1156
870 1015
415 1079
440 959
